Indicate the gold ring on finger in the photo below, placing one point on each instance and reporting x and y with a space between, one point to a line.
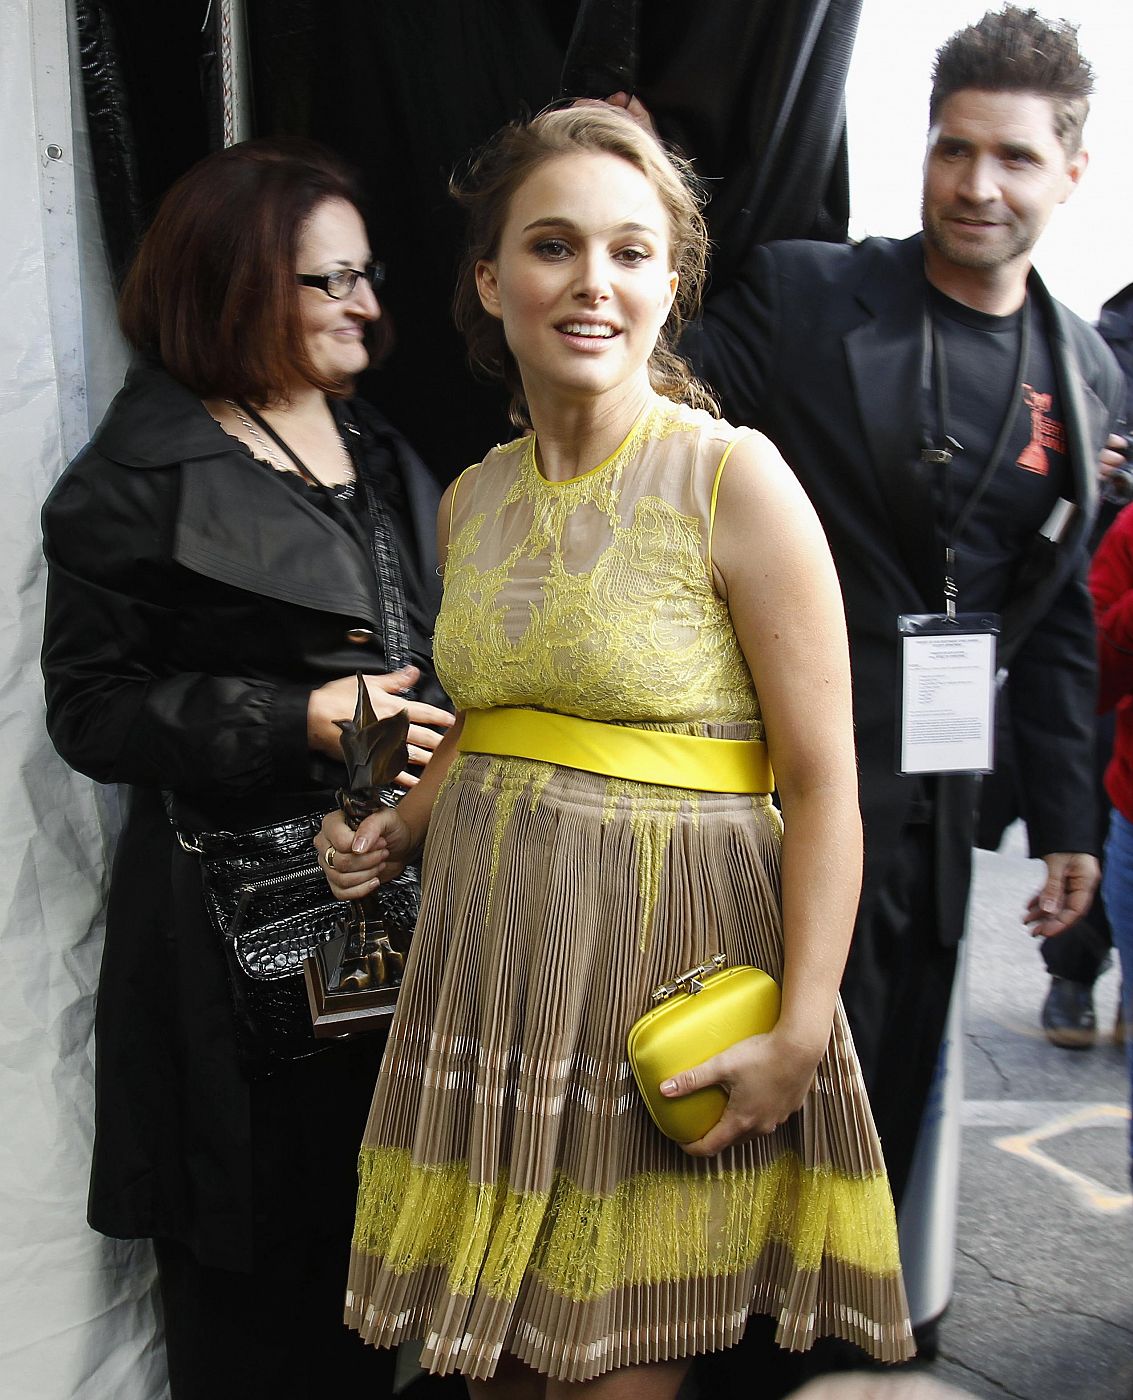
329 855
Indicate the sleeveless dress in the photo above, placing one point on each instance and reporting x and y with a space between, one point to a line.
514 1194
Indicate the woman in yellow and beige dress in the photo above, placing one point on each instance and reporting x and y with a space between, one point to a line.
626 586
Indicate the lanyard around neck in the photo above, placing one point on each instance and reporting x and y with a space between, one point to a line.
934 374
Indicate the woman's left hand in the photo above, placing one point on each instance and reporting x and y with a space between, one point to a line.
378 850
766 1078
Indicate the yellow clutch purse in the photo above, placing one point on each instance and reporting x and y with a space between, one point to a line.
697 1015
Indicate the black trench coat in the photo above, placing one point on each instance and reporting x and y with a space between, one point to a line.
194 601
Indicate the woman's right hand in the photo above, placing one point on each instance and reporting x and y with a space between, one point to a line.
378 850
336 701
766 1078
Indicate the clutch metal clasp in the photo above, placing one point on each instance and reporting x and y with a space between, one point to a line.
691 981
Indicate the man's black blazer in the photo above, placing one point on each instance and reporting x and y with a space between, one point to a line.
820 346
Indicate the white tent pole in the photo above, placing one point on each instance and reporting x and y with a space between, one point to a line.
55 156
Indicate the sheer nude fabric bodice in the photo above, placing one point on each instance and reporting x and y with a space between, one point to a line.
594 596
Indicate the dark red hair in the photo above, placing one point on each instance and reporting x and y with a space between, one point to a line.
212 291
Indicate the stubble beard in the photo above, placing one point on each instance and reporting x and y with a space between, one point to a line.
1017 243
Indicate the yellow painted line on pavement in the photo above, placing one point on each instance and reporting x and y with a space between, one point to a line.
1095 1193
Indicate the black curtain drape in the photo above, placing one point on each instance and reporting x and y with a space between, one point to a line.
406 89
149 102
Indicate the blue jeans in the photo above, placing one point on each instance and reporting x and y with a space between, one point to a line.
1117 891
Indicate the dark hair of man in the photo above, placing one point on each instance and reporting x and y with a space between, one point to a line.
1015 50
212 292
485 192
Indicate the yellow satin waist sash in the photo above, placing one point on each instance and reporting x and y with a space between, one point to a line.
619 751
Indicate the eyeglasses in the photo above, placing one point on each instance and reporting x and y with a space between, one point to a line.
341 284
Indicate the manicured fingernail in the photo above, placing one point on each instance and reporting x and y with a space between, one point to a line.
669 1086
360 844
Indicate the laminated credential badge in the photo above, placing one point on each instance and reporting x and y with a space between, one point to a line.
947 690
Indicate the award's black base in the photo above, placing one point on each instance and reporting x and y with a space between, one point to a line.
334 1012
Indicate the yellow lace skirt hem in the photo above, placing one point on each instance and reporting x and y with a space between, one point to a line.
656 1227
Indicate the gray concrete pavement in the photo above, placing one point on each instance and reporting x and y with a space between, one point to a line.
1042 1306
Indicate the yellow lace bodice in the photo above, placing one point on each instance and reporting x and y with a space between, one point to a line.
594 596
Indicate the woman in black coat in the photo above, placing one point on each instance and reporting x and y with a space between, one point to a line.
215 584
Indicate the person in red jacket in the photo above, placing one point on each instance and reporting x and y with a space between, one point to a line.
1111 583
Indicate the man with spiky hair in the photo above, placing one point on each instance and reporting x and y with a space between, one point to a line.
946 416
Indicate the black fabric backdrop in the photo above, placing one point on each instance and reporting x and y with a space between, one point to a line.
406 89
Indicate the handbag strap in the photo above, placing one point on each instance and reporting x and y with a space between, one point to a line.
387 570
297 830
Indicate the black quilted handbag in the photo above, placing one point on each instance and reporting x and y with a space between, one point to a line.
270 903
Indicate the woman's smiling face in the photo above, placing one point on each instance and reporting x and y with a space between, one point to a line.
335 238
582 278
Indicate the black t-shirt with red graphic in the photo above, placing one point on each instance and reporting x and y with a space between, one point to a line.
982 355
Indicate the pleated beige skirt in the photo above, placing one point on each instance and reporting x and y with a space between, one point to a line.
514 1194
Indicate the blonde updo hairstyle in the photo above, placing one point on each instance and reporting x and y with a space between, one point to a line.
485 192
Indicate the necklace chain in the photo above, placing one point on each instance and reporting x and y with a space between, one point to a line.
342 489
